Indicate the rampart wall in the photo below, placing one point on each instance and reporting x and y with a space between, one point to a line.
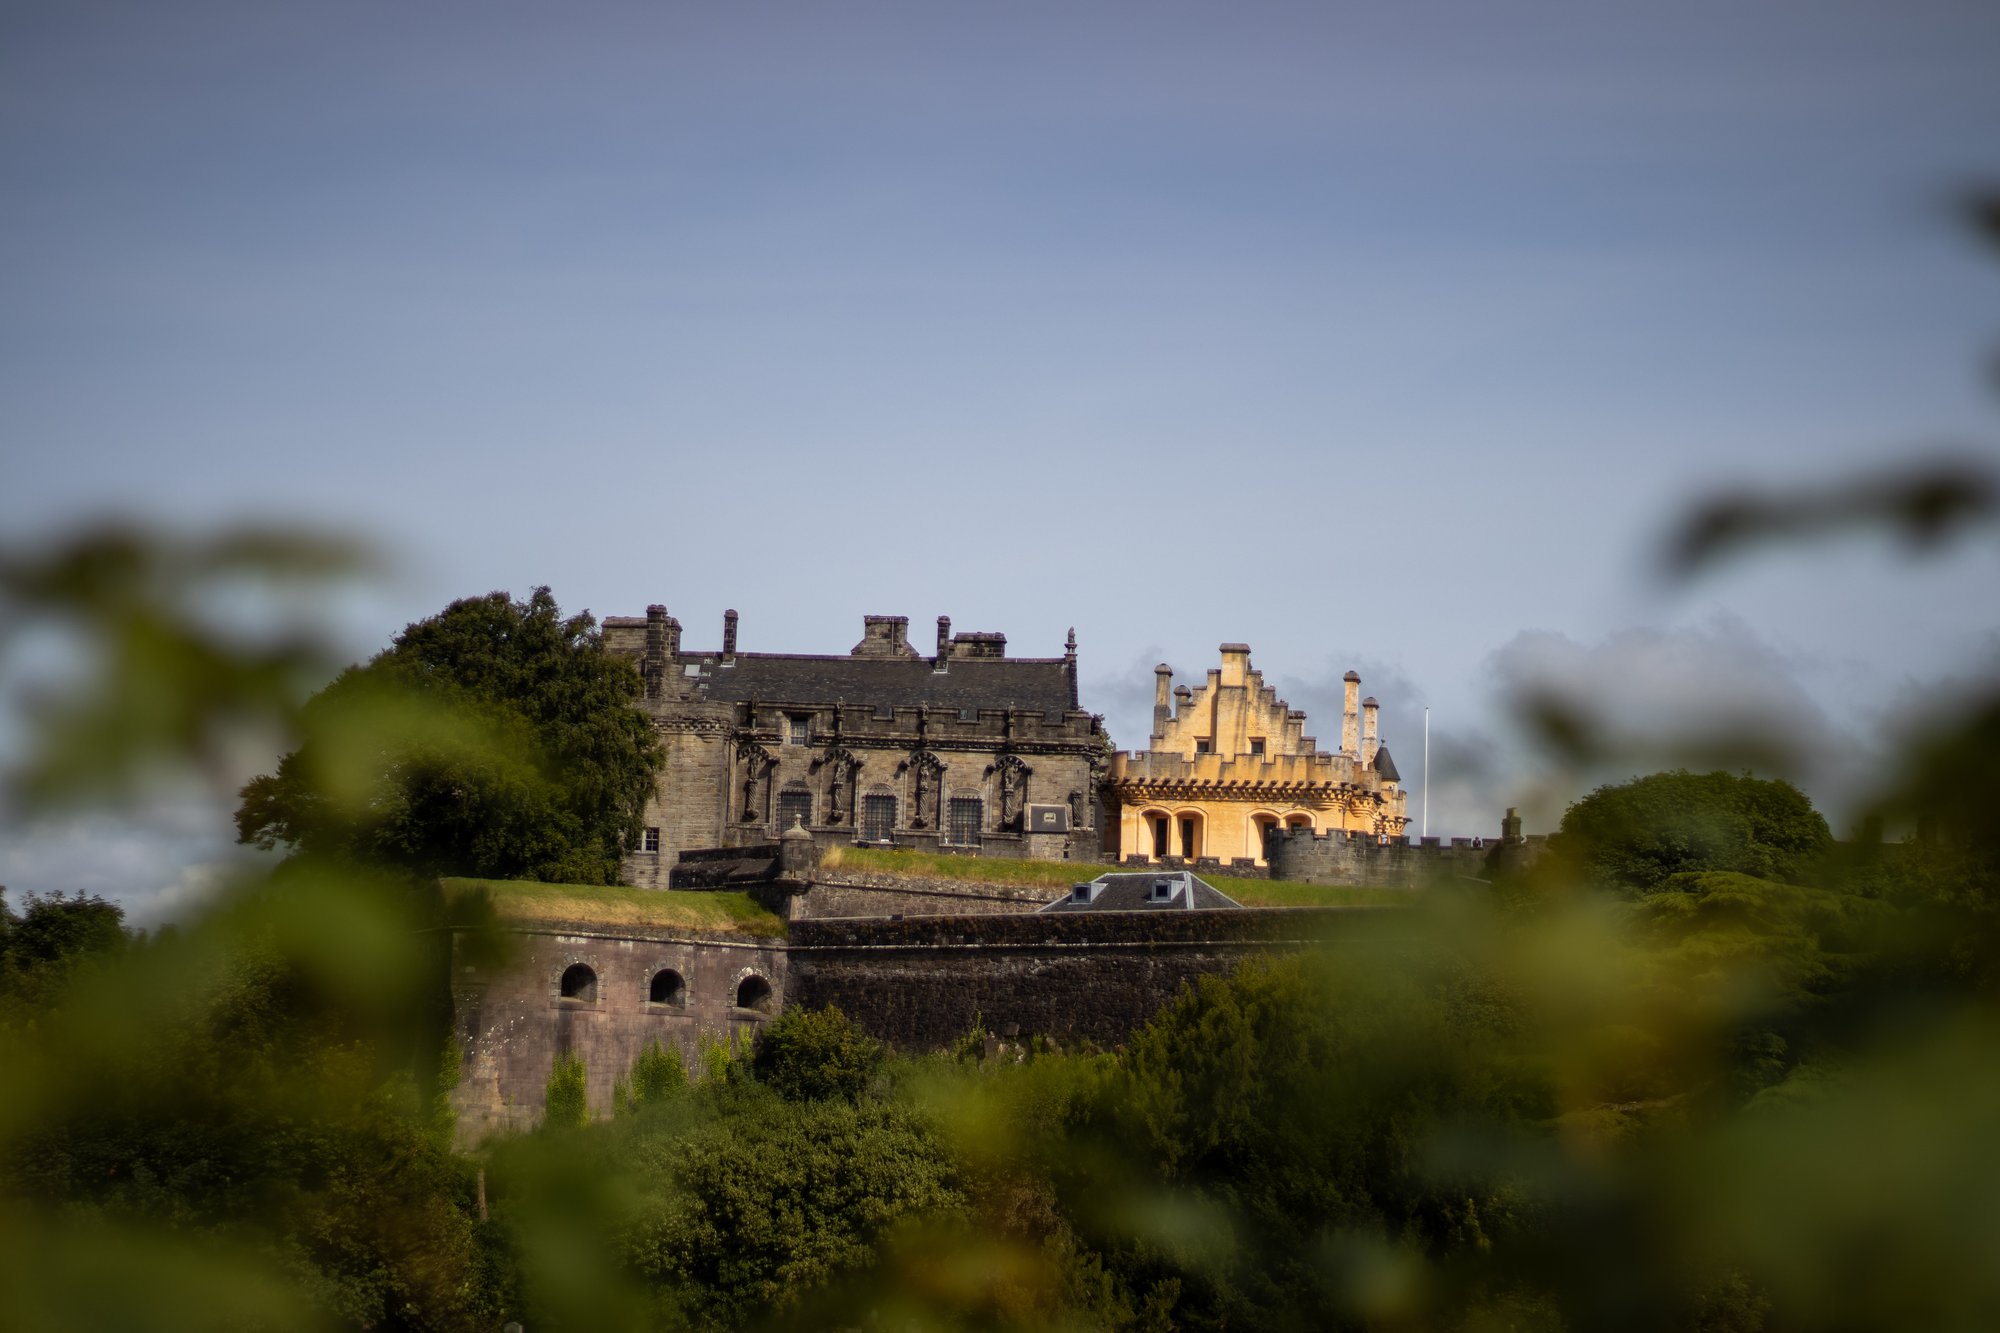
512 1019
852 893
921 983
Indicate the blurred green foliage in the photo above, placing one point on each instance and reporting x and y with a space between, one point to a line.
494 739
1637 835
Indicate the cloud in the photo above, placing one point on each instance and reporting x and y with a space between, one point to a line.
1711 695
158 864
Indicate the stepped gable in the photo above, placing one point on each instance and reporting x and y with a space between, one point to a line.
1029 684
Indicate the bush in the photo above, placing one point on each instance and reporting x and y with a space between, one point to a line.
811 1055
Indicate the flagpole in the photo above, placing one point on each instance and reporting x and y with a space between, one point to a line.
1424 830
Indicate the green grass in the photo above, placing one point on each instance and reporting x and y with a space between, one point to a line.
527 901
1061 874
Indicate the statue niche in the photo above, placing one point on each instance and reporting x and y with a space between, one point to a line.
926 789
756 763
1014 775
840 765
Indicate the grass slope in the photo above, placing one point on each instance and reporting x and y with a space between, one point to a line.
1058 875
527 901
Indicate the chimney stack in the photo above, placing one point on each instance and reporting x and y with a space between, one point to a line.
1163 686
729 633
1369 740
944 640
1350 718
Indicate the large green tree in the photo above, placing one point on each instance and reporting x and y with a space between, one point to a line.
496 739
1639 834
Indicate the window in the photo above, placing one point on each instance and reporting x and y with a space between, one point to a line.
1159 835
878 818
1201 745
965 818
1163 891
794 804
1187 837
1256 745
799 729
579 983
754 992
1079 893
650 841
668 988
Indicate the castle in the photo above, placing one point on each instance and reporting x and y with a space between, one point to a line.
1230 766
773 760
966 749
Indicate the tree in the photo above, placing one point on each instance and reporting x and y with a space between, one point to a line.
50 936
1638 834
810 1054
496 739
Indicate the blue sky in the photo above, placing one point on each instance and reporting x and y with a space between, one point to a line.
1376 336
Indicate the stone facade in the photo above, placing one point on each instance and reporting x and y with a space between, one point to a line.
965 749
601 995
1230 767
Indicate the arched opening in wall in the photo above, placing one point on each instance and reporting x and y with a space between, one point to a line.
878 817
1162 845
753 992
1188 840
579 983
795 805
1298 821
965 817
668 988
1263 831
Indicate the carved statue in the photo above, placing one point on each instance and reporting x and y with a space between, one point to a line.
926 782
757 762
1013 788
841 765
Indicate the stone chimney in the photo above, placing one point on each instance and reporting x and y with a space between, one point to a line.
653 667
1369 739
1235 664
944 642
1350 717
1163 689
729 634
884 636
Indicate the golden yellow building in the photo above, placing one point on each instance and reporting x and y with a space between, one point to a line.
1230 761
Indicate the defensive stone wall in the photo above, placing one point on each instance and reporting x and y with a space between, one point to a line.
861 893
921 983
513 1018
1369 861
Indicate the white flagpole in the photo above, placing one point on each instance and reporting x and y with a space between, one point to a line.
1424 830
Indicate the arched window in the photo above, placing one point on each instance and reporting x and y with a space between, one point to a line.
1190 837
668 988
878 817
579 983
795 804
753 992
1160 848
966 815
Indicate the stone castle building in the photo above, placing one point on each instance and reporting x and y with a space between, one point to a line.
965 749
1229 769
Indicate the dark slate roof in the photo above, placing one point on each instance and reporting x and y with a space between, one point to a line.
1134 893
1385 767
1033 685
